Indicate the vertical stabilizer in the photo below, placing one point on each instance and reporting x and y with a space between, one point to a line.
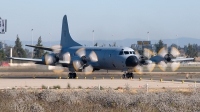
66 40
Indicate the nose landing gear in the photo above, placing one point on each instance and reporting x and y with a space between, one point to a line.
128 75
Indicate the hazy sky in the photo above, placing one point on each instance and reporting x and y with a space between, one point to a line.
120 18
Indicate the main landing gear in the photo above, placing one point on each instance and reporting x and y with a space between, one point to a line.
128 75
72 75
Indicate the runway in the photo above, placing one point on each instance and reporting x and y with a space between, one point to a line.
43 68
86 83
22 77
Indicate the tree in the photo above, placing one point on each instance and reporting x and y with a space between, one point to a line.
2 55
18 51
185 48
38 53
191 51
159 45
7 49
28 53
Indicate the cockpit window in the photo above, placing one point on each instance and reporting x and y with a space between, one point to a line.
121 53
126 52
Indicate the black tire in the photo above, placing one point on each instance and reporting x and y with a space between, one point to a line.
70 76
127 75
123 76
131 75
74 75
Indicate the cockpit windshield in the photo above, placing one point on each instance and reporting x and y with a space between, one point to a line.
126 52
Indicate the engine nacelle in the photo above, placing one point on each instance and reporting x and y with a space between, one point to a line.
168 57
50 59
143 60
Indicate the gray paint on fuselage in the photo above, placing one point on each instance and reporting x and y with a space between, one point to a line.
108 57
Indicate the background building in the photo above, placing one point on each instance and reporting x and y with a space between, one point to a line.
143 44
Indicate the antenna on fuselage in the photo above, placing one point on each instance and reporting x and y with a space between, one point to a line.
93 37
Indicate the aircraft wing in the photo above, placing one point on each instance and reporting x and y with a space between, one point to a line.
182 59
63 62
38 61
41 47
148 61
25 59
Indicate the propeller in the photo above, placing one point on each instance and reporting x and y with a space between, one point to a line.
140 57
138 69
83 62
56 48
168 57
53 59
66 57
58 69
162 65
66 60
150 65
148 53
163 57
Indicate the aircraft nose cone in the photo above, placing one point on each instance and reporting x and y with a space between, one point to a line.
132 61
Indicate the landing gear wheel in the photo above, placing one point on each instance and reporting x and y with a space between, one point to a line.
72 75
129 75
132 75
123 76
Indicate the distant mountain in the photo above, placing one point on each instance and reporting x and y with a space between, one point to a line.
127 42
124 42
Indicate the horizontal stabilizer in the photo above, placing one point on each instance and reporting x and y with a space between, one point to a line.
41 47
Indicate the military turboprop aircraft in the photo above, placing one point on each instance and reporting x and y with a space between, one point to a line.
79 58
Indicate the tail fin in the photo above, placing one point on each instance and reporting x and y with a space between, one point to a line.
66 40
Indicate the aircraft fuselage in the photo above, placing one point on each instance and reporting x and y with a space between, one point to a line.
109 58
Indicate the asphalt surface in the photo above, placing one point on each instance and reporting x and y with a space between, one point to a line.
38 69
192 74
89 83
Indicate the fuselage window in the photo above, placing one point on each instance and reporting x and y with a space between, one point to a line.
121 53
126 52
